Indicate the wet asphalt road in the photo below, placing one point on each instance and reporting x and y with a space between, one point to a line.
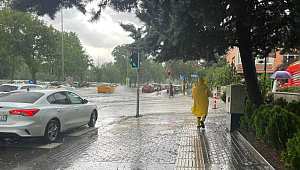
119 141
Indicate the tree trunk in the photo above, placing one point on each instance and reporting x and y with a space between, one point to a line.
33 75
245 46
12 73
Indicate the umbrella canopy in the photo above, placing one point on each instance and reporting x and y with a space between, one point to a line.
281 75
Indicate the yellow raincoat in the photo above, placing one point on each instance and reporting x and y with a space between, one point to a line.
201 93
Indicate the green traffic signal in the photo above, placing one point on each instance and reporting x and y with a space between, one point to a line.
134 60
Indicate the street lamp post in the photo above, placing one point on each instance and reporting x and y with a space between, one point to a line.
62 45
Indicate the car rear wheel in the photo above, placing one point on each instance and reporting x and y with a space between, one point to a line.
52 131
93 119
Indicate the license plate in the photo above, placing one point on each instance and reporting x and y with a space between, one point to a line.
3 118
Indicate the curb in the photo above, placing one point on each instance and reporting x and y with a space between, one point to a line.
255 153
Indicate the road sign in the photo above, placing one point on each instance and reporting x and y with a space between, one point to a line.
194 75
31 81
182 78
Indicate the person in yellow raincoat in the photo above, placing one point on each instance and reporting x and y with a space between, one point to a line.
200 94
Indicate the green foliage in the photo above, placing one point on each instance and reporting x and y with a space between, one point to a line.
180 68
223 96
265 84
261 120
282 126
269 98
225 75
295 89
294 107
246 120
110 74
25 36
281 102
292 155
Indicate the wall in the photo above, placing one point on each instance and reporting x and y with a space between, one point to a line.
287 96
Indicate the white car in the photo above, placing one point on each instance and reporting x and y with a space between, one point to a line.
66 86
5 88
44 113
16 82
44 85
57 85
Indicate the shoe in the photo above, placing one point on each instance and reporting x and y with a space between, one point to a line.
202 124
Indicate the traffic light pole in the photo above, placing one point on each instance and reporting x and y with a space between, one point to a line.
138 93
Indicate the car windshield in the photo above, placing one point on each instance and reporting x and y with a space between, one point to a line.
21 97
7 88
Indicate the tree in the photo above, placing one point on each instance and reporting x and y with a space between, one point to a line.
180 68
194 30
75 58
222 74
200 29
26 37
121 54
110 74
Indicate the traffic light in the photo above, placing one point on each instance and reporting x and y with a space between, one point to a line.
134 61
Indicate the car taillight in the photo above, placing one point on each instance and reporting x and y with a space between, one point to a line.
58 87
28 112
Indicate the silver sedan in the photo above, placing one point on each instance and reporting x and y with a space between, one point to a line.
44 113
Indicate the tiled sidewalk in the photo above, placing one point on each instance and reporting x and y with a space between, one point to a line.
214 147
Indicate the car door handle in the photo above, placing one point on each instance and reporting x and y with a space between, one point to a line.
76 108
60 110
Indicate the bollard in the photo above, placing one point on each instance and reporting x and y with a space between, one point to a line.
215 92
215 101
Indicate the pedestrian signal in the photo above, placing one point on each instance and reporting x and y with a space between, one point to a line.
134 60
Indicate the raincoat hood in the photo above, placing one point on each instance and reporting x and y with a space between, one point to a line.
201 81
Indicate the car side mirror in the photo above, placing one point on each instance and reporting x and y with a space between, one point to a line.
84 101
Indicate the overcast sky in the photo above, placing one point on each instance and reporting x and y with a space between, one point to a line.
98 38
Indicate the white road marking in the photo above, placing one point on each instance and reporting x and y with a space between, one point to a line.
49 146
81 132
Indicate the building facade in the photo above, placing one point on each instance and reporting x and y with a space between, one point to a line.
274 60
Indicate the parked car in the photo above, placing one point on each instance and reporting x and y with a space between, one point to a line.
177 88
57 85
155 86
16 82
94 84
168 88
44 85
75 84
106 88
147 88
5 88
44 113
66 86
